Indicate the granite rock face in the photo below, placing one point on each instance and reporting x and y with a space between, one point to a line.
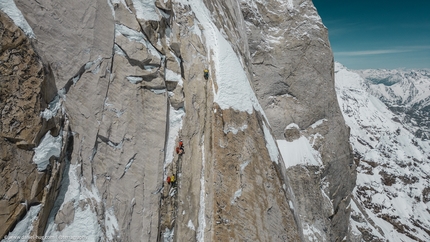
293 76
26 87
128 79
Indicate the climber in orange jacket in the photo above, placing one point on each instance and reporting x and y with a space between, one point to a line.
180 149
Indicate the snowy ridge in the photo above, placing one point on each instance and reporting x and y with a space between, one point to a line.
391 198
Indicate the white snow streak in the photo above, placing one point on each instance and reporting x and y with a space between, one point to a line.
175 124
201 217
271 145
9 8
25 226
111 223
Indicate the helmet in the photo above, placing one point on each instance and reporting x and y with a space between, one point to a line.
206 70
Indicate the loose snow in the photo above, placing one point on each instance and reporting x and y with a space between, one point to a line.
318 123
234 130
299 152
52 109
111 223
25 226
271 144
175 124
191 225
85 222
173 76
49 146
146 10
9 8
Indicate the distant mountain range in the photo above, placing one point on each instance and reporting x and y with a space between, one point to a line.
406 93
388 113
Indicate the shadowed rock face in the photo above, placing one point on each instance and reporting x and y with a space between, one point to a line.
26 89
293 76
130 79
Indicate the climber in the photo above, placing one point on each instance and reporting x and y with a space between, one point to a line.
180 148
172 179
206 73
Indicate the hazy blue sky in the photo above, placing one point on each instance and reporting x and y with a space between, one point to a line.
378 33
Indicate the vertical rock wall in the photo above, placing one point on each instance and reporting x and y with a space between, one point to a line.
26 87
129 75
293 75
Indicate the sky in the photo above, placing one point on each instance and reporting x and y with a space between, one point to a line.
376 34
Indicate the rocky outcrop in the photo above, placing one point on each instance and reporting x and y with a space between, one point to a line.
27 88
130 81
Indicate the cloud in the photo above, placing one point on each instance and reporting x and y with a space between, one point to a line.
383 51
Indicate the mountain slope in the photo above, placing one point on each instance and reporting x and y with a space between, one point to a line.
406 93
392 193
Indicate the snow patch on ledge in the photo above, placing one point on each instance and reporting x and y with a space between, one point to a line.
133 35
191 225
49 146
170 75
299 152
158 91
234 130
293 126
134 79
52 109
237 194
146 10
9 8
318 123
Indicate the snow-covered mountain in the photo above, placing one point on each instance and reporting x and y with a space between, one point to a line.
406 93
392 195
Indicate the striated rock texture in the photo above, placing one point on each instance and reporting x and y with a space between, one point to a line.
130 83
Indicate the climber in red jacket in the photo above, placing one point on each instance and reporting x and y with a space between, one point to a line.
180 149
